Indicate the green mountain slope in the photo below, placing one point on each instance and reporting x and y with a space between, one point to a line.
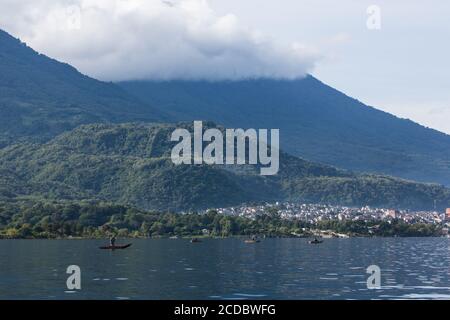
316 122
130 164
41 97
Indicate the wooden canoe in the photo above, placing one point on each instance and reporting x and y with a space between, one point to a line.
115 247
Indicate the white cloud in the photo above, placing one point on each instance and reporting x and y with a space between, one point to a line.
152 39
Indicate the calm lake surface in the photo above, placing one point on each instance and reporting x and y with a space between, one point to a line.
411 268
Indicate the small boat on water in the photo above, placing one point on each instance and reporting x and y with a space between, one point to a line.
195 240
116 247
315 241
253 239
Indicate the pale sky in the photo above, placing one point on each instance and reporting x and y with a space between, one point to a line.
401 68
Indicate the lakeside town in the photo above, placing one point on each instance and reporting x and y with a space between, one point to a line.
315 213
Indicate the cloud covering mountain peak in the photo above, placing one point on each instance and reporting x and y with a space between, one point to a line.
153 39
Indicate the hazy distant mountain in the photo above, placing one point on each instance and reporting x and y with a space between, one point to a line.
130 164
41 97
316 122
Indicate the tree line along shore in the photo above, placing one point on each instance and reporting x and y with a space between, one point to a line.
94 219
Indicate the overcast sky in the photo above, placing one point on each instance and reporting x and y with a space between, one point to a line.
402 68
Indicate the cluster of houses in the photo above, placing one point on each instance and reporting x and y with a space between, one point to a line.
314 213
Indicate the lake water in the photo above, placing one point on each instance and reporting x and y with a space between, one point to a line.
411 268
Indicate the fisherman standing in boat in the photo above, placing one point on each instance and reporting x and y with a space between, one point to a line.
112 240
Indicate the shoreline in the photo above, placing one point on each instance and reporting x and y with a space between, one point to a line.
221 238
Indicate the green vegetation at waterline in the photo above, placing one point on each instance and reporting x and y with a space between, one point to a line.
394 228
43 219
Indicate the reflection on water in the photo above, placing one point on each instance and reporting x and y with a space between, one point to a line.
411 268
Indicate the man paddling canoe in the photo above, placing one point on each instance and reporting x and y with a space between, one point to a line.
112 244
